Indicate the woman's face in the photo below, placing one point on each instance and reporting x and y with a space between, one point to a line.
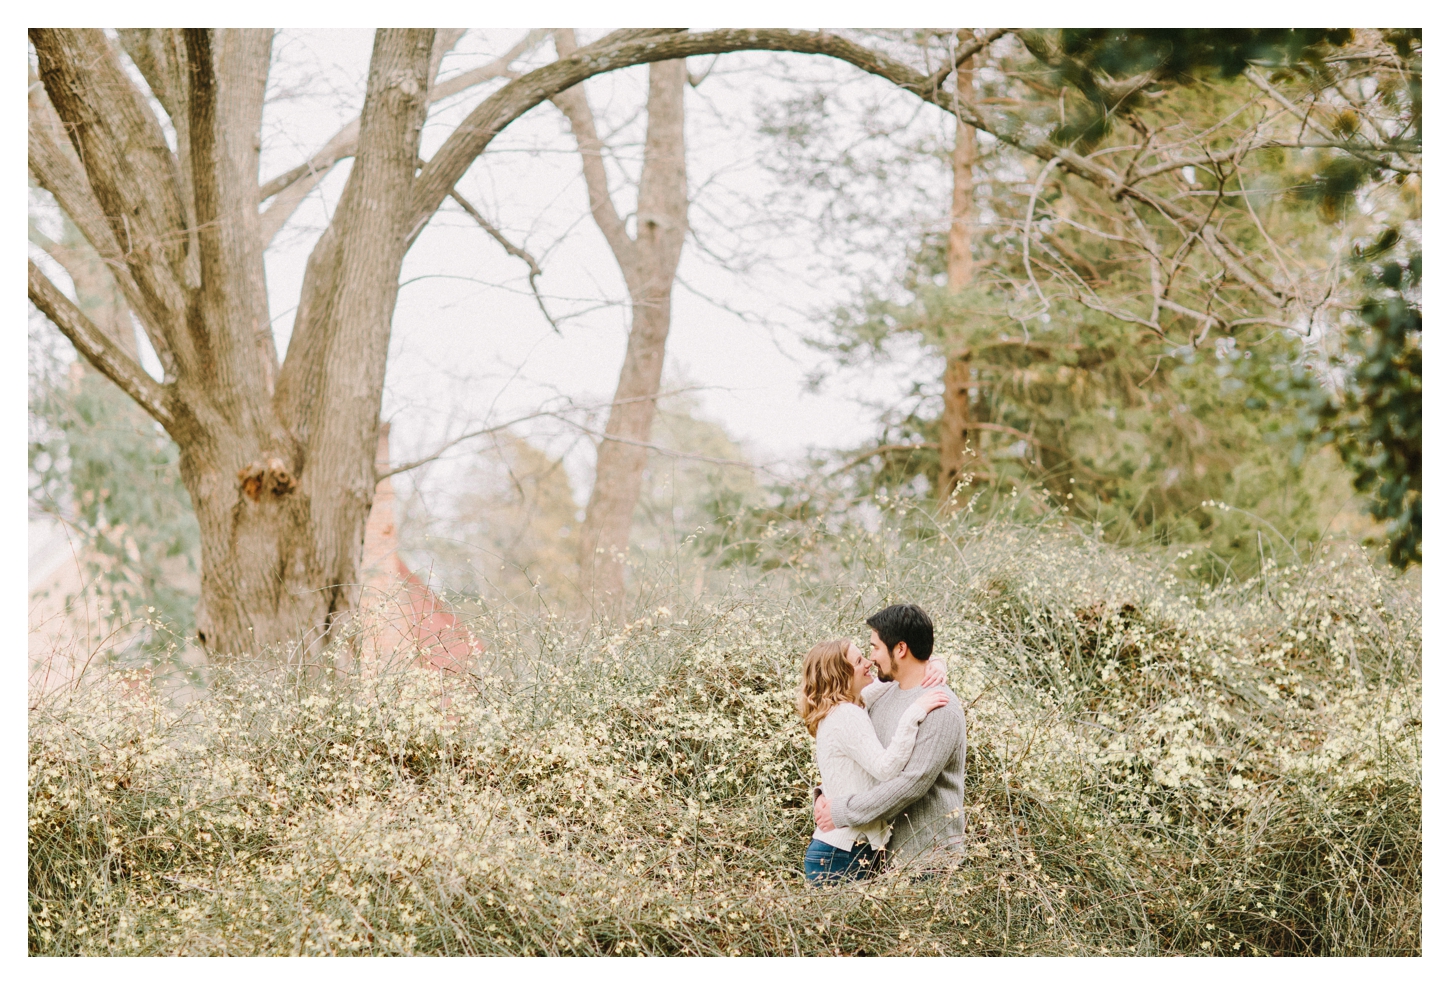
863 670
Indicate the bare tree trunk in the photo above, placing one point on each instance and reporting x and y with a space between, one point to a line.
331 396
648 260
279 465
619 472
957 378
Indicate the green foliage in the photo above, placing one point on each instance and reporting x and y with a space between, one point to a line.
767 529
1332 182
1375 423
1117 70
683 497
1093 418
110 473
1181 53
1127 379
1152 769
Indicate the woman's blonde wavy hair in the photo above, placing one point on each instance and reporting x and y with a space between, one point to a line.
825 682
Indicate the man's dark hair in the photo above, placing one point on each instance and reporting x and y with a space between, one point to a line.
907 624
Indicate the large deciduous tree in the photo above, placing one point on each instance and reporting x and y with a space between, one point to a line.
278 456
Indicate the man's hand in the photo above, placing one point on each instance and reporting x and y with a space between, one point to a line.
823 815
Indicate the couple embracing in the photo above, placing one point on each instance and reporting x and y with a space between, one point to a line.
891 746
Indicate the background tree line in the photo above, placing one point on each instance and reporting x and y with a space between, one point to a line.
1144 271
1121 364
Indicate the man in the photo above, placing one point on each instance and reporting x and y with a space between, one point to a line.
923 803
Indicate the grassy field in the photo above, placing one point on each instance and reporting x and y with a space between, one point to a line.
1154 767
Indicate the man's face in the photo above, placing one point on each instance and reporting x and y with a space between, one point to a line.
886 662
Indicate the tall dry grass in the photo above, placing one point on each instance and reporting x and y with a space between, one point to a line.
1153 769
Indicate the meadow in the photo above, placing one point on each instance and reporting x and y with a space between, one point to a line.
1156 766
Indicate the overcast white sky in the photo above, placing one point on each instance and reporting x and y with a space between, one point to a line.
469 343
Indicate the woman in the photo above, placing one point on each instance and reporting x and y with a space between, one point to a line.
837 686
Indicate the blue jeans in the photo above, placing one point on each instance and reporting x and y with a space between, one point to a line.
827 863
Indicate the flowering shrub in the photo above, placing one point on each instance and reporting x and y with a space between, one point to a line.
1153 768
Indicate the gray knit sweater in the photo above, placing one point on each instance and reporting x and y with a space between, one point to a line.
923 803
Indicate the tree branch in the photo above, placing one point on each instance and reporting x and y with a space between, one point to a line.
1027 227
299 181
632 47
350 287
420 462
864 456
93 284
243 58
661 449
291 187
663 202
201 122
1362 152
344 143
97 348
534 270
623 48
443 42
160 55
494 429
1088 298
128 165
53 162
57 169
935 79
574 104
1155 258
496 69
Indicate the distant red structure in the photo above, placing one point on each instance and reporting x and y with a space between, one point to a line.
402 620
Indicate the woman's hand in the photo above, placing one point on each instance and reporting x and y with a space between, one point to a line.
936 673
932 700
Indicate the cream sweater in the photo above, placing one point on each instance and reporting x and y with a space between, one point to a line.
851 760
